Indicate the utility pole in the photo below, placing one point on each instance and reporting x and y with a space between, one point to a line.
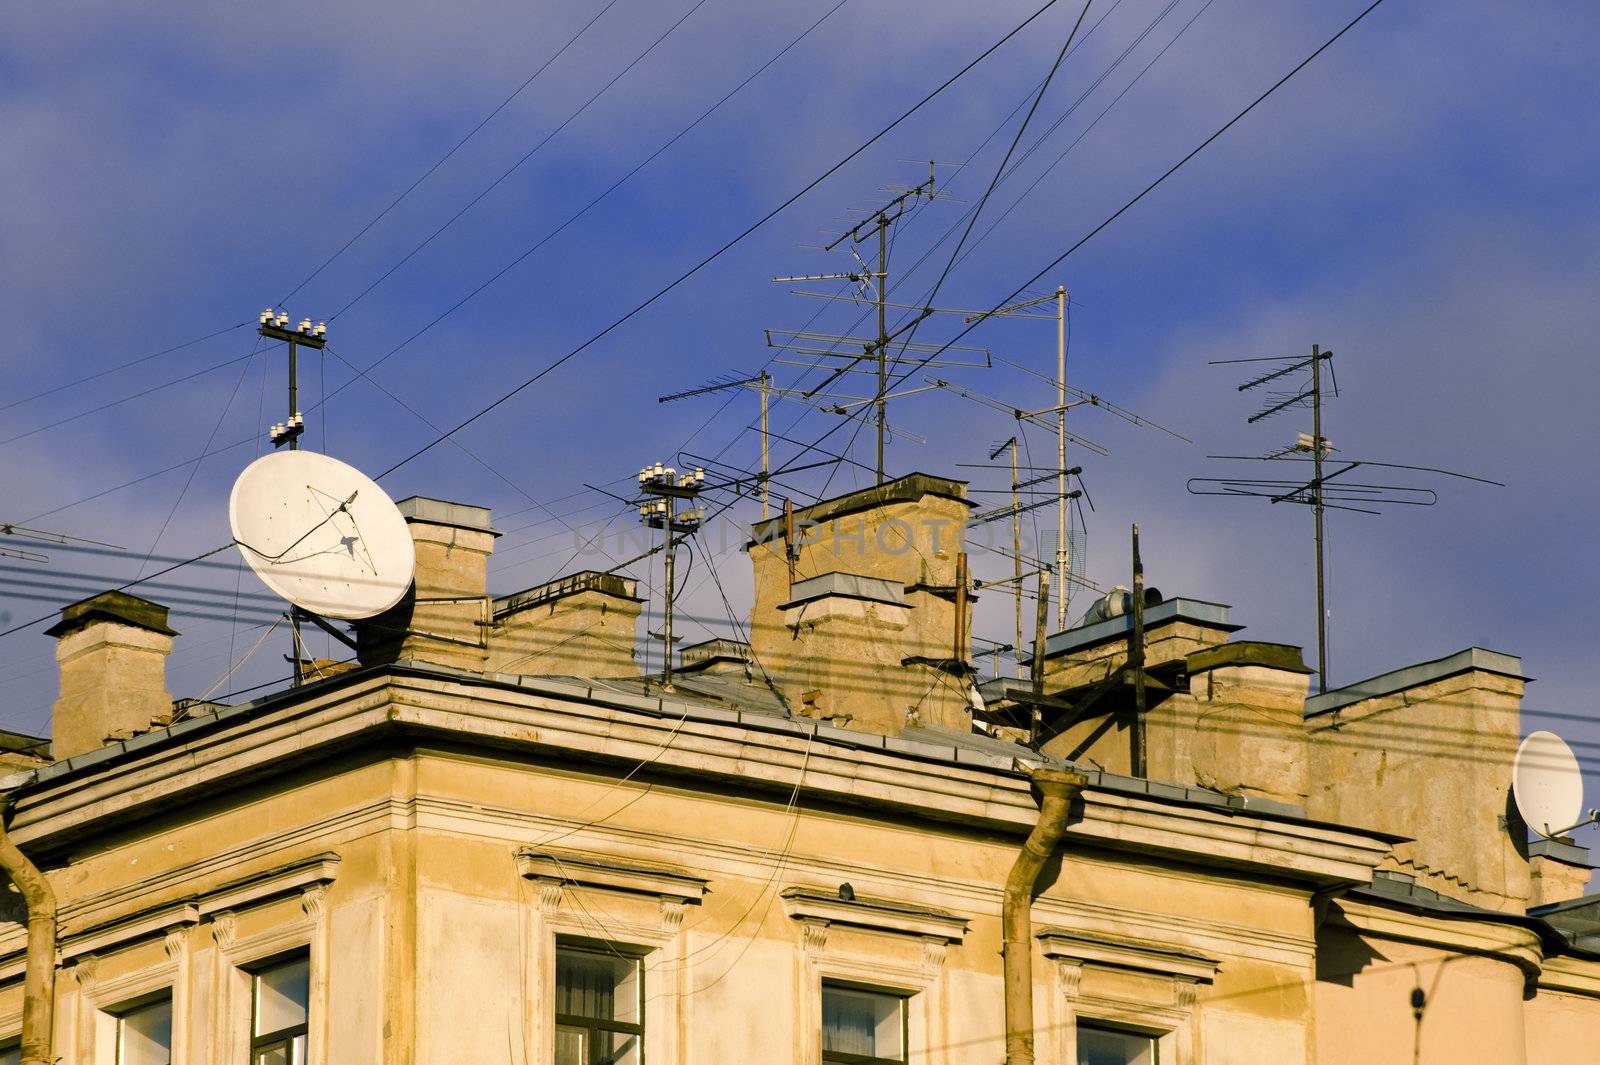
1317 451
275 326
883 335
1063 559
1140 752
665 486
766 491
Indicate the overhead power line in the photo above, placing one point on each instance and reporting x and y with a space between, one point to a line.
737 239
426 174
529 154
121 366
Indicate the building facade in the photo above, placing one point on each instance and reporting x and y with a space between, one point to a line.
491 839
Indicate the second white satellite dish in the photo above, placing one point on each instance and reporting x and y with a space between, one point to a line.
1547 783
321 534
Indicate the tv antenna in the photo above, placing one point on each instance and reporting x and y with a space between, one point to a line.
22 532
874 283
1054 419
762 383
1304 376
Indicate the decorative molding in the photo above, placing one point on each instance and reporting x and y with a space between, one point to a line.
224 926
114 937
672 911
934 949
1184 993
813 935
1518 945
314 901
1069 977
1571 976
549 897
810 905
177 942
317 871
1124 952
610 874
83 972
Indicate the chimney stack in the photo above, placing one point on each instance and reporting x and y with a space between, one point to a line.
112 648
444 620
856 603
581 625
1426 752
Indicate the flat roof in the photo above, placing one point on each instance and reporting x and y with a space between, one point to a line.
1398 680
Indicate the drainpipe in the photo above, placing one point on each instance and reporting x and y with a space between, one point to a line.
39 987
1058 787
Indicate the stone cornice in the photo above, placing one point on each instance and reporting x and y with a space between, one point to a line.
569 723
1122 952
809 905
610 874
1515 943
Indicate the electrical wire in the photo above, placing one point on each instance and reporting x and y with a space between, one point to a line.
501 106
696 6
121 366
737 239
210 438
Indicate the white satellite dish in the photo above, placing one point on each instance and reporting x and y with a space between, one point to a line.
1547 783
321 534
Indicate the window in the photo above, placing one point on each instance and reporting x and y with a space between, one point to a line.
599 1007
1114 1046
279 1013
144 1033
861 1027
11 1054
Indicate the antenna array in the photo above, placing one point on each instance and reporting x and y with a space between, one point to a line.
1320 493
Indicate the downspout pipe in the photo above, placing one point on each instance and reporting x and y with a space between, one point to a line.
1058 788
39 986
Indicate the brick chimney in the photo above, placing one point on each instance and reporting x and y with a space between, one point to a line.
1240 726
1426 752
856 602
113 650
1082 666
445 618
580 625
1559 870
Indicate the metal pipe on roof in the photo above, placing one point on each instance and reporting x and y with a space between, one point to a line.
1058 788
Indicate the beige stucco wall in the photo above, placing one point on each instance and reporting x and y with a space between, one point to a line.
1434 764
431 946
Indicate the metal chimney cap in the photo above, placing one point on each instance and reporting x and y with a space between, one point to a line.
112 606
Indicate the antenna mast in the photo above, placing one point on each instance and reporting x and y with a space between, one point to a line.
1324 490
878 348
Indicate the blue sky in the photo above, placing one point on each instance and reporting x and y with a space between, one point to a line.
1420 200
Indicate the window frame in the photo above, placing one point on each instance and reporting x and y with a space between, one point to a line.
284 1037
1097 1024
594 1025
902 998
120 1012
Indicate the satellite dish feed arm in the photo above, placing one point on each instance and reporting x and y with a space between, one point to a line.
342 508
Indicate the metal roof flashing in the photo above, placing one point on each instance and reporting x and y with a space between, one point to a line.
1414 676
443 512
1198 611
908 489
848 585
